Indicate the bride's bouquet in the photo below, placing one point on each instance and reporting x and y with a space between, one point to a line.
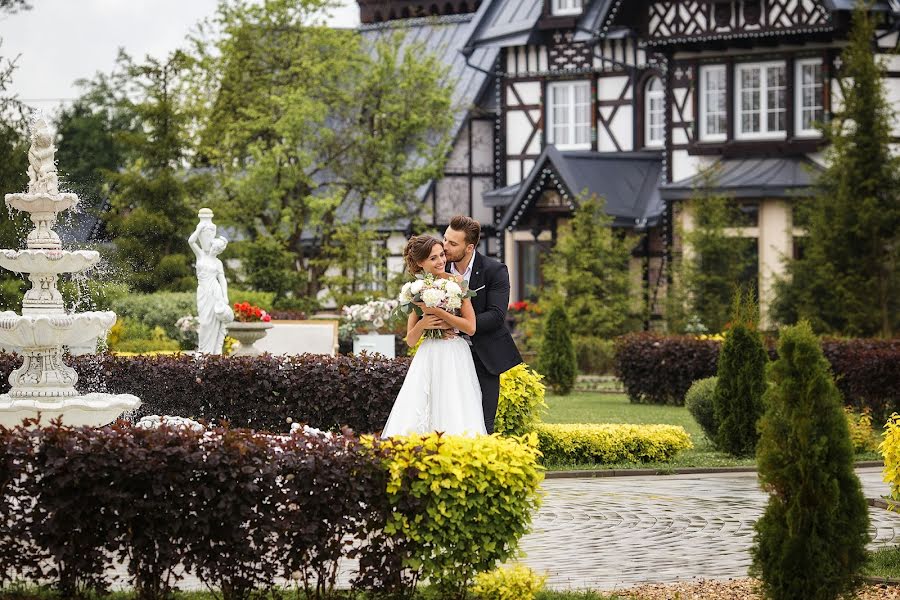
434 292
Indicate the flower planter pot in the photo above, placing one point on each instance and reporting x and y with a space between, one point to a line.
374 343
247 334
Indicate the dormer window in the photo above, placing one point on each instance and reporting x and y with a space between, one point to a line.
566 7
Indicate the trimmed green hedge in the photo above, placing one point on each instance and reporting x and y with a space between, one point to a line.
610 443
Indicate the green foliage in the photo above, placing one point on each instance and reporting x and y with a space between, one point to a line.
699 402
610 443
152 208
129 335
521 401
811 540
847 281
596 356
508 583
268 266
463 503
587 272
741 381
313 129
12 290
712 263
556 359
890 451
161 309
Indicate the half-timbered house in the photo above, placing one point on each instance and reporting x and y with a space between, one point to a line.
634 100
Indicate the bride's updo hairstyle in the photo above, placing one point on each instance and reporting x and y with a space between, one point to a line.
417 250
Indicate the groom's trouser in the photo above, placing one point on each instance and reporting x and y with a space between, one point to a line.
490 392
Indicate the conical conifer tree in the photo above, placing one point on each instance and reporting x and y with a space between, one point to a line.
737 400
811 541
557 360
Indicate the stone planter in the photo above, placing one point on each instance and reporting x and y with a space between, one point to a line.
247 334
374 343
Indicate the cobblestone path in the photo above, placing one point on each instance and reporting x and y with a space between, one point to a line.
612 533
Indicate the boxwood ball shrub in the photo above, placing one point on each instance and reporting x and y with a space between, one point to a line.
811 540
521 401
463 503
699 402
610 443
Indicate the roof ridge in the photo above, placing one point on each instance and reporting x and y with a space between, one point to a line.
417 22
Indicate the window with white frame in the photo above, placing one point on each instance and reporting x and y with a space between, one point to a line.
569 114
760 100
809 107
713 103
654 113
566 7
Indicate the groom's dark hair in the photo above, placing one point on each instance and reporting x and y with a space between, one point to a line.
469 226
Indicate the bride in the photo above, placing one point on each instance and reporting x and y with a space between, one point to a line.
441 390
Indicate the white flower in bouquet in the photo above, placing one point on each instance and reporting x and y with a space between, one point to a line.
453 302
406 294
440 284
416 286
453 288
433 296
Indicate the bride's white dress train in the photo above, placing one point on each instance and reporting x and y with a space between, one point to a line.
440 392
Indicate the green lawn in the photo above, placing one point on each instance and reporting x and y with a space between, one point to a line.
615 408
884 562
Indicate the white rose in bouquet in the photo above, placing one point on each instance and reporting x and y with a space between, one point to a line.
433 297
453 288
416 286
406 294
453 303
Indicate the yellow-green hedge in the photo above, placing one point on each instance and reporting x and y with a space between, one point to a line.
611 443
890 450
521 401
462 502
508 583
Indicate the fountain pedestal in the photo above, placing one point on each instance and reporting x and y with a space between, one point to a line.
44 385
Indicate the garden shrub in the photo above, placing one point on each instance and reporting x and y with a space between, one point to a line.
595 355
521 401
161 309
740 381
811 540
462 502
240 509
129 335
862 435
556 359
571 443
659 369
508 583
890 451
18 558
699 402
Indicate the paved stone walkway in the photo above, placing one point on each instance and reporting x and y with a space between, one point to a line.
612 533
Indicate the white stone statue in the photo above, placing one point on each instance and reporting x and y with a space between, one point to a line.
213 308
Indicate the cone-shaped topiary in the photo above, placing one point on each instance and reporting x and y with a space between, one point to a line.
557 361
737 399
811 541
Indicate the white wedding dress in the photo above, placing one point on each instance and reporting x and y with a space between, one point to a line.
440 393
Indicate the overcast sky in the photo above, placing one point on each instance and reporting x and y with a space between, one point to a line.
60 41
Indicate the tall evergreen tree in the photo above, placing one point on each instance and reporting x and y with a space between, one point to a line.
741 379
848 279
713 262
154 199
556 359
587 272
811 541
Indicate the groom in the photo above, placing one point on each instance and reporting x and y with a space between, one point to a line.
493 348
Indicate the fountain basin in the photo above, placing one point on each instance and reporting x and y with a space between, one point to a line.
42 331
41 202
93 410
48 261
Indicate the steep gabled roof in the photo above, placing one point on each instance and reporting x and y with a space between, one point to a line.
628 181
503 23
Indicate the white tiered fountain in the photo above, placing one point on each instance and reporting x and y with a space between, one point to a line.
44 384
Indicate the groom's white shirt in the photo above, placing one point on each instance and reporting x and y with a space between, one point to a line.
468 274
